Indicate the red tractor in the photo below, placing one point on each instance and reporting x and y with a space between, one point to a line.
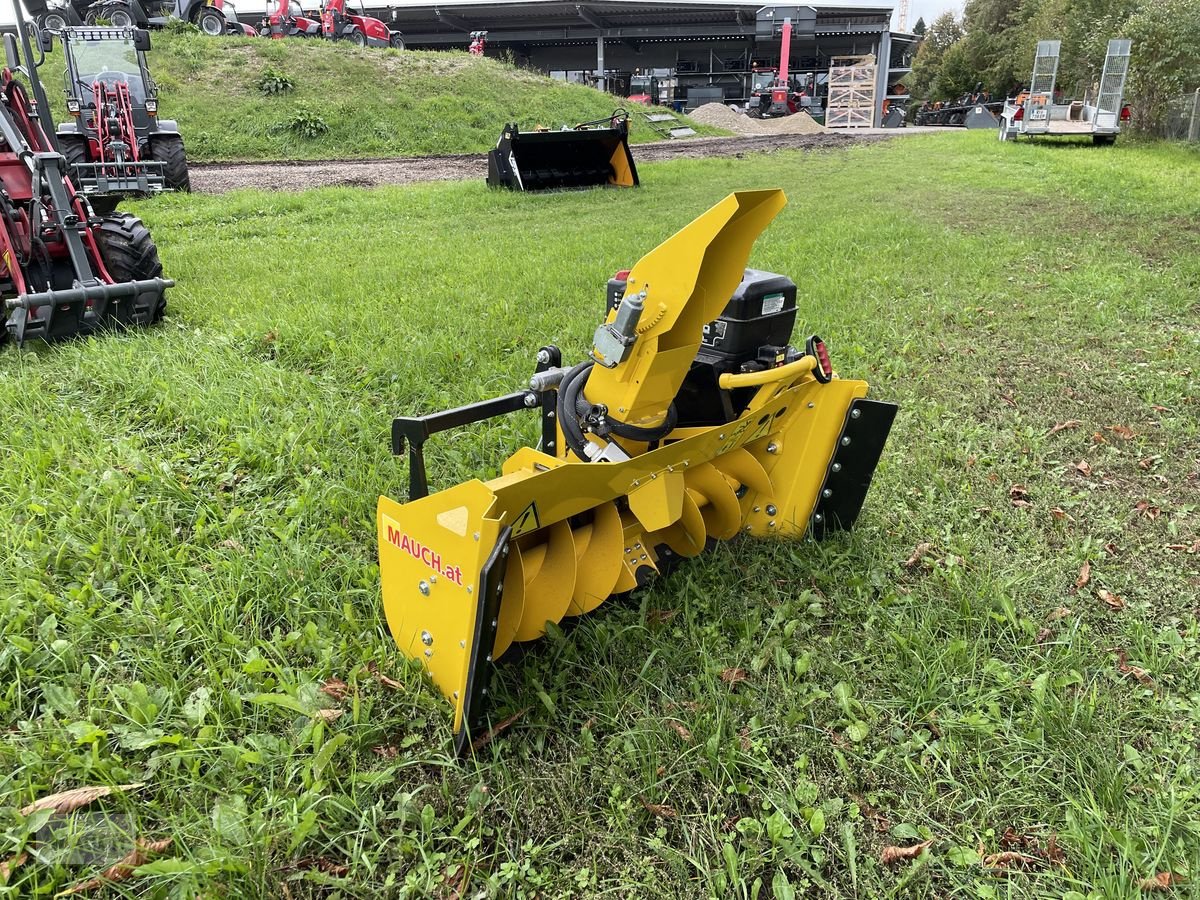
64 271
114 141
358 28
288 20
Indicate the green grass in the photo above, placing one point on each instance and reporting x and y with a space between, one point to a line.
345 102
188 549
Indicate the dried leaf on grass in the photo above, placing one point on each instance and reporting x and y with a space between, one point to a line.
11 865
329 716
386 751
889 856
1010 859
681 730
123 870
1018 495
1085 575
335 688
1064 426
1150 512
498 729
76 798
1113 601
1044 635
661 810
373 671
661 616
878 820
1083 468
318 864
1122 431
1060 515
1135 672
1060 612
918 555
1160 882
734 676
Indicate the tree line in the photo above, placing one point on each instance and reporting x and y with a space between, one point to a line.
993 44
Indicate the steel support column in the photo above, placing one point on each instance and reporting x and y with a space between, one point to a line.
601 82
883 63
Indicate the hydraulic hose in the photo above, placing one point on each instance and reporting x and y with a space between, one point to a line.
569 390
572 404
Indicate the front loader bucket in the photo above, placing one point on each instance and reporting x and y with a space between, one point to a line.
559 160
979 116
470 570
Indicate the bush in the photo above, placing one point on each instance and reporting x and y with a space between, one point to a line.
306 123
272 82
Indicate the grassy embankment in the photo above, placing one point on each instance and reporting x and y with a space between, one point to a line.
189 550
346 102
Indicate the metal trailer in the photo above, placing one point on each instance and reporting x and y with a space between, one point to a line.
1035 114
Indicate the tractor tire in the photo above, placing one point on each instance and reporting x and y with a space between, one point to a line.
54 22
119 17
396 41
357 38
74 149
168 149
129 254
211 22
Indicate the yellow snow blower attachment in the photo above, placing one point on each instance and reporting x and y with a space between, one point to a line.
693 420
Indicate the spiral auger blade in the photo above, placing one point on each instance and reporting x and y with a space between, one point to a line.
660 447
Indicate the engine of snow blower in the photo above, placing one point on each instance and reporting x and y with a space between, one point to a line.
693 419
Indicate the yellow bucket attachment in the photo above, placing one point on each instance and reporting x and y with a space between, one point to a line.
469 570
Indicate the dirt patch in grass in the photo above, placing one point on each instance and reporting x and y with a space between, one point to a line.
220 178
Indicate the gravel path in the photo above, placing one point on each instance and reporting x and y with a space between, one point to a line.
218 178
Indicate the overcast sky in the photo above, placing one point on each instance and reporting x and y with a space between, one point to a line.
930 9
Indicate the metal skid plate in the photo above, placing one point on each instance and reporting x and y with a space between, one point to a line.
848 478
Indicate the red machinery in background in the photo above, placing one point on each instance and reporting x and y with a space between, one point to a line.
358 28
64 271
478 43
288 20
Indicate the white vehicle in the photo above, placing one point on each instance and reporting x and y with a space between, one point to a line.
1100 113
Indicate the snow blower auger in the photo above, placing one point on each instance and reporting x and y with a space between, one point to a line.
693 420
63 271
592 154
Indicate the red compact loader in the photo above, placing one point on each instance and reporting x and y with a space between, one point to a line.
64 271
288 20
358 28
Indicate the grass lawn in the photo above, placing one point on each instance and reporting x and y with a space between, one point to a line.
344 102
188 549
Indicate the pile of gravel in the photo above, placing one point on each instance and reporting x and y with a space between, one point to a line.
721 116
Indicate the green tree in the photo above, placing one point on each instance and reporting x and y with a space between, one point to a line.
1165 57
944 33
919 28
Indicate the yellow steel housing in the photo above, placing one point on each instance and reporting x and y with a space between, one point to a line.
580 532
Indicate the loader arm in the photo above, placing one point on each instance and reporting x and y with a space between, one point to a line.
658 445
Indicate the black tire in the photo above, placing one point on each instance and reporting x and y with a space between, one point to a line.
396 40
168 149
211 22
119 17
54 22
129 254
1104 140
357 38
74 148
